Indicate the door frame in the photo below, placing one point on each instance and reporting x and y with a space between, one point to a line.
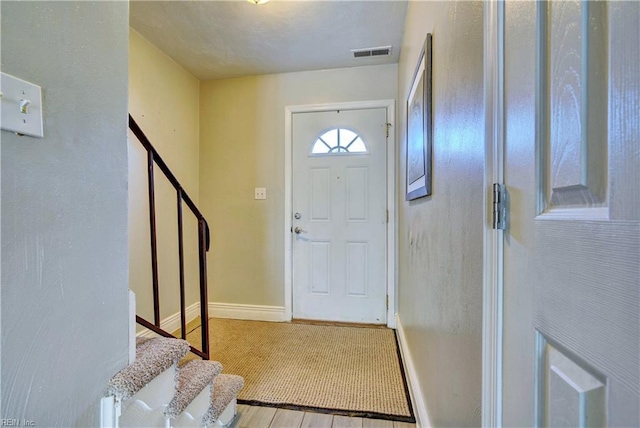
391 232
493 251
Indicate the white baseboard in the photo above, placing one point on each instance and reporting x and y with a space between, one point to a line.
419 405
172 322
247 312
146 333
221 310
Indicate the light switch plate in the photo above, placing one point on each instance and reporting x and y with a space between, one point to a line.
20 106
261 193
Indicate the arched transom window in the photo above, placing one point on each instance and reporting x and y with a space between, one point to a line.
338 141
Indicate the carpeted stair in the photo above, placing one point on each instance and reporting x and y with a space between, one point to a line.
156 391
192 379
153 356
226 389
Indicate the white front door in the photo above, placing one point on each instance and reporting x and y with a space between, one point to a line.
339 215
572 170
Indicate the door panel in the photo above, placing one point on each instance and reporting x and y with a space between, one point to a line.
357 268
339 254
571 262
320 267
577 398
357 193
320 194
572 150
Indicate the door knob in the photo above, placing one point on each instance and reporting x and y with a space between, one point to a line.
299 230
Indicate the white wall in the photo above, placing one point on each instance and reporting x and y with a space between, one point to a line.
164 100
242 147
440 237
64 213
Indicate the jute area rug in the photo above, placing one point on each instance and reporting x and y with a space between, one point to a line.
334 369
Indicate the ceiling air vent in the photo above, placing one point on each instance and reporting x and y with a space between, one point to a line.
369 52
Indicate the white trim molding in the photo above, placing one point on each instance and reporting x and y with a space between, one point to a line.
389 105
221 310
247 312
417 399
110 410
392 226
492 301
172 322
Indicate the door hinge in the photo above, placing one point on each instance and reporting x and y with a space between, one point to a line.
387 216
499 206
387 126
387 302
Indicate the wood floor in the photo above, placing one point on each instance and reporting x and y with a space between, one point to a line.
270 417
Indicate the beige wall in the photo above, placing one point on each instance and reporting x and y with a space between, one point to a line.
164 101
242 147
440 237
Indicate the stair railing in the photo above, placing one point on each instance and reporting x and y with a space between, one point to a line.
153 158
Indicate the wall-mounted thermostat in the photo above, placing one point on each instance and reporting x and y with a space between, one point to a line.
20 106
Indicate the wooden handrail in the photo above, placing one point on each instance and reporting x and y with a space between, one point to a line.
162 165
204 242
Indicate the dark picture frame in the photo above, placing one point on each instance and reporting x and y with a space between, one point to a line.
420 127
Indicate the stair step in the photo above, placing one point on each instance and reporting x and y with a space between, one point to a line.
153 356
192 378
225 390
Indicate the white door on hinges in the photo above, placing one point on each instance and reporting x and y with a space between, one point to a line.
572 239
340 215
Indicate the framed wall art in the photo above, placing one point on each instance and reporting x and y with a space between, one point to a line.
420 127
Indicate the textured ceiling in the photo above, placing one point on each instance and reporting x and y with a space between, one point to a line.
221 39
